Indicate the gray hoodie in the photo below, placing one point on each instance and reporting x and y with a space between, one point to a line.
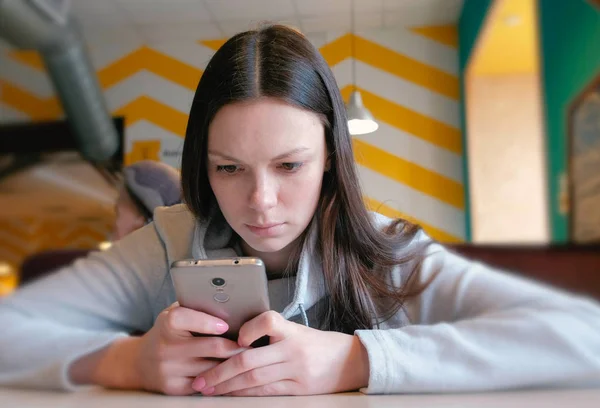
472 329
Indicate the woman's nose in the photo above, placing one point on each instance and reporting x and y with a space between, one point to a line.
264 194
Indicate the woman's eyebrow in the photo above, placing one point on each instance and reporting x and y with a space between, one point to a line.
279 157
292 152
222 155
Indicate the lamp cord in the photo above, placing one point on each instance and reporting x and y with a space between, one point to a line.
353 46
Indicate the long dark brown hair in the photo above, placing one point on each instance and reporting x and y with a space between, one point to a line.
279 62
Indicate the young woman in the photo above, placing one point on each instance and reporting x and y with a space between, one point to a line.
359 301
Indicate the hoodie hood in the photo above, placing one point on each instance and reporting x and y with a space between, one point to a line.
213 239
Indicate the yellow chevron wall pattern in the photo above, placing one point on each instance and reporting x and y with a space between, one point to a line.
410 167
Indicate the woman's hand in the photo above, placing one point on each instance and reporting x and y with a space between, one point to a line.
298 361
169 357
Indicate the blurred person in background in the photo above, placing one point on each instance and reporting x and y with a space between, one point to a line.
146 185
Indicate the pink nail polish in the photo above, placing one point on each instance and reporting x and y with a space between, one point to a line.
199 383
208 391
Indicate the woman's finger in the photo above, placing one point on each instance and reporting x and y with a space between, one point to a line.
205 347
251 379
270 324
177 386
179 322
193 367
284 387
241 363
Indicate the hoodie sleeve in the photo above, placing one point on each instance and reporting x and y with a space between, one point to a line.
79 309
479 329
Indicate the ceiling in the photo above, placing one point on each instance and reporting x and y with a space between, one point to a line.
165 20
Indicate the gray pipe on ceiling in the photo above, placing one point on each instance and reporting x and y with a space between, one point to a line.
37 24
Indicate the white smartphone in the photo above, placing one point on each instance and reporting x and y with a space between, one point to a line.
232 289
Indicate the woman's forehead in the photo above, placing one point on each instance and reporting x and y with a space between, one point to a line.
266 123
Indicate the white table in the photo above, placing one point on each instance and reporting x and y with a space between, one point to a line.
92 398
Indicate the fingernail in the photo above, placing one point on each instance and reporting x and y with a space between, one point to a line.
222 327
208 391
199 383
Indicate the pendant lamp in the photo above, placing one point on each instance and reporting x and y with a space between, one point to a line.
360 120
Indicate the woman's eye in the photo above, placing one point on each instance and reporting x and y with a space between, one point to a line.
291 166
229 168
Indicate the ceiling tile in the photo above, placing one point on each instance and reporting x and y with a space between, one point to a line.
137 3
447 13
171 16
405 18
157 11
372 6
307 8
87 12
93 7
250 10
326 22
365 21
316 7
290 21
394 19
110 34
103 20
159 33
317 39
341 21
403 4
238 15
231 27
438 9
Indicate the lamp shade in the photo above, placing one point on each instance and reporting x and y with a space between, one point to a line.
360 120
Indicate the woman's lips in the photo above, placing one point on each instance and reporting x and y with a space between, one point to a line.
266 230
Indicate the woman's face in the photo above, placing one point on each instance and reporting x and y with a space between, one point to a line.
265 165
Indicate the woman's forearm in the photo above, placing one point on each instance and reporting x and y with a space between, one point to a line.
112 367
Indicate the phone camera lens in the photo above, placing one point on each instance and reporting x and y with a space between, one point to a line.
236 262
218 282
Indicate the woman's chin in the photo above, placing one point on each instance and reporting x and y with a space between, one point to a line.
266 245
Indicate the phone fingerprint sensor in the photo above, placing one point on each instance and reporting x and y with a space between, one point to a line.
221 297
